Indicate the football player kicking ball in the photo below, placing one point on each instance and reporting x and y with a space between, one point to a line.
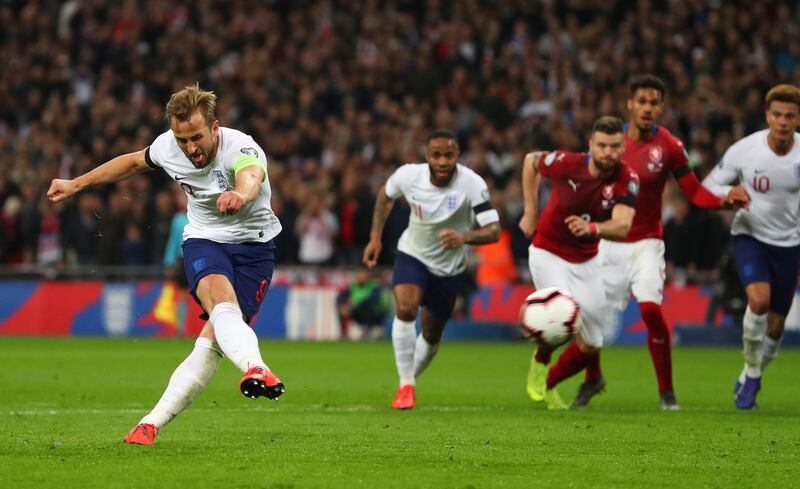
447 200
593 197
228 250
766 238
635 265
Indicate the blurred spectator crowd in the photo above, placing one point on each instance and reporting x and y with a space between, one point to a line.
339 93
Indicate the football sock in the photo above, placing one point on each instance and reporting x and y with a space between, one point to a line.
754 327
659 343
187 382
236 339
593 371
572 361
423 354
404 336
770 351
543 354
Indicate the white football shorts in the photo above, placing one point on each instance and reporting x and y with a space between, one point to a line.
636 268
582 280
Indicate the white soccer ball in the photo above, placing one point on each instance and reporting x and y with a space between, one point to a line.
550 316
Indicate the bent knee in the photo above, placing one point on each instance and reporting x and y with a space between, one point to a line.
407 312
758 305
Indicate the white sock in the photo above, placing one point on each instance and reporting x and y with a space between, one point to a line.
423 354
404 334
187 382
770 351
235 337
754 328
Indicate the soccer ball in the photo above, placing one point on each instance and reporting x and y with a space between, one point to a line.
550 316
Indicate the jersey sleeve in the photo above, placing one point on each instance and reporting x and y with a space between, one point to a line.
156 152
480 201
398 181
719 181
554 164
678 158
627 192
247 153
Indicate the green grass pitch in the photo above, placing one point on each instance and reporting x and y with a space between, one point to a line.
65 405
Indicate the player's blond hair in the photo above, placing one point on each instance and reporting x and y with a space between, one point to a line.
184 103
783 93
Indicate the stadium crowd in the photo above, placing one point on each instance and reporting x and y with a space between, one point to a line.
340 93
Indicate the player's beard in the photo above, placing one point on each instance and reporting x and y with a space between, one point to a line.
606 166
441 180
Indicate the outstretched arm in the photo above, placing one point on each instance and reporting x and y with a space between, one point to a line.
701 197
119 168
383 206
530 191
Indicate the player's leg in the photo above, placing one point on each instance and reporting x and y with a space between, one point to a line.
752 264
187 382
438 303
648 288
409 281
784 267
213 270
547 270
616 272
584 282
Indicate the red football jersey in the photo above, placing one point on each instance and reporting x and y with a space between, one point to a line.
653 160
576 192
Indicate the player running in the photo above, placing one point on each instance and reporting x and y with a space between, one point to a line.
593 197
635 265
228 251
446 200
766 238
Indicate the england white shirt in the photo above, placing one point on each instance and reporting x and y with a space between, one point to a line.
255 221
773 183
458 206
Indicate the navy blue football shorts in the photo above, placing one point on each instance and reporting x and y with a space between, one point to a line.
248 266
438 293
760 262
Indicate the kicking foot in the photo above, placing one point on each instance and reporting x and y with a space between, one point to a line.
261 382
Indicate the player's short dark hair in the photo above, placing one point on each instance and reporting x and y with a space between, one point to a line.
783 93
647 81
442 133
608 124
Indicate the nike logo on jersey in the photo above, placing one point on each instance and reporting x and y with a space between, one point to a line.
574 185
759 172
178 179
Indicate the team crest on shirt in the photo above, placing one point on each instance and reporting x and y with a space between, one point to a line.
656 154
608 192
451 201
222 182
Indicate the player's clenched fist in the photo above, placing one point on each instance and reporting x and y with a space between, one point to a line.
371 253
61 189
527 224
230 202
736 198
581 228
451 239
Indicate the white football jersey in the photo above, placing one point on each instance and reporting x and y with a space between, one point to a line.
773 183
255 221
457 206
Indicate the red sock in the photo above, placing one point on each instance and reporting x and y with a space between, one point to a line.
659 342
543 354
593 371
572 361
